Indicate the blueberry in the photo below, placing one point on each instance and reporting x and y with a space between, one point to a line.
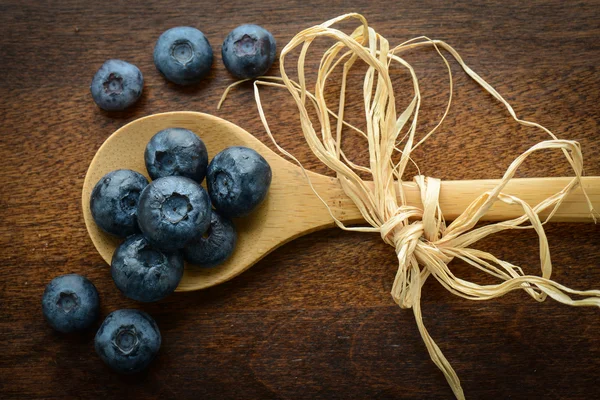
144 273
238 180
172 211
176 151
117 85
128 341
70 303
215 246
114 201
183 55
248 51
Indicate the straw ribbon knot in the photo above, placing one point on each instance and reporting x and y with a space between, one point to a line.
413 240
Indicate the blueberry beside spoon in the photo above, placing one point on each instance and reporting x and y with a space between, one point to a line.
117 85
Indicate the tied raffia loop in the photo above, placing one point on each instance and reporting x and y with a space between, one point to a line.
424 244
415 239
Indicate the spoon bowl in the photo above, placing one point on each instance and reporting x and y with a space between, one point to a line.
291 209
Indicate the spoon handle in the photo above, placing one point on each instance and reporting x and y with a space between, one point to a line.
455 197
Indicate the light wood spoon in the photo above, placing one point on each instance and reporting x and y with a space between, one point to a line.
291 208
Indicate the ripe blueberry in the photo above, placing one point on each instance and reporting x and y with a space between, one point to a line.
114 201
248 51
215 246
238 180
70 303
117 85
144 273
176 151
128 341
172 211
183 55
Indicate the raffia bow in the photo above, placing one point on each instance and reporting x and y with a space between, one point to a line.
424 244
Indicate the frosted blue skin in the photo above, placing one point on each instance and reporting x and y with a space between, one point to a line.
114 201
117 85
215 246
248 51
238 180
128 341
176 152
172 211
144 273
183 55
70 303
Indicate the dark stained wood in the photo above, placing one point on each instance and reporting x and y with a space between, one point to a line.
313 320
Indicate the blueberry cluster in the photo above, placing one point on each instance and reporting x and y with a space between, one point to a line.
164 222
172 218
184 57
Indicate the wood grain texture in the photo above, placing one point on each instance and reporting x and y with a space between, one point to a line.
314 319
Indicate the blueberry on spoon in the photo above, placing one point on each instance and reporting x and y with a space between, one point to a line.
114 201
238 180
144 273
215 246
176 151
172 211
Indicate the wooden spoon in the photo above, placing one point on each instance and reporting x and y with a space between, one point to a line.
291 208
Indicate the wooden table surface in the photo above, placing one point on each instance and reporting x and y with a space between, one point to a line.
313 320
